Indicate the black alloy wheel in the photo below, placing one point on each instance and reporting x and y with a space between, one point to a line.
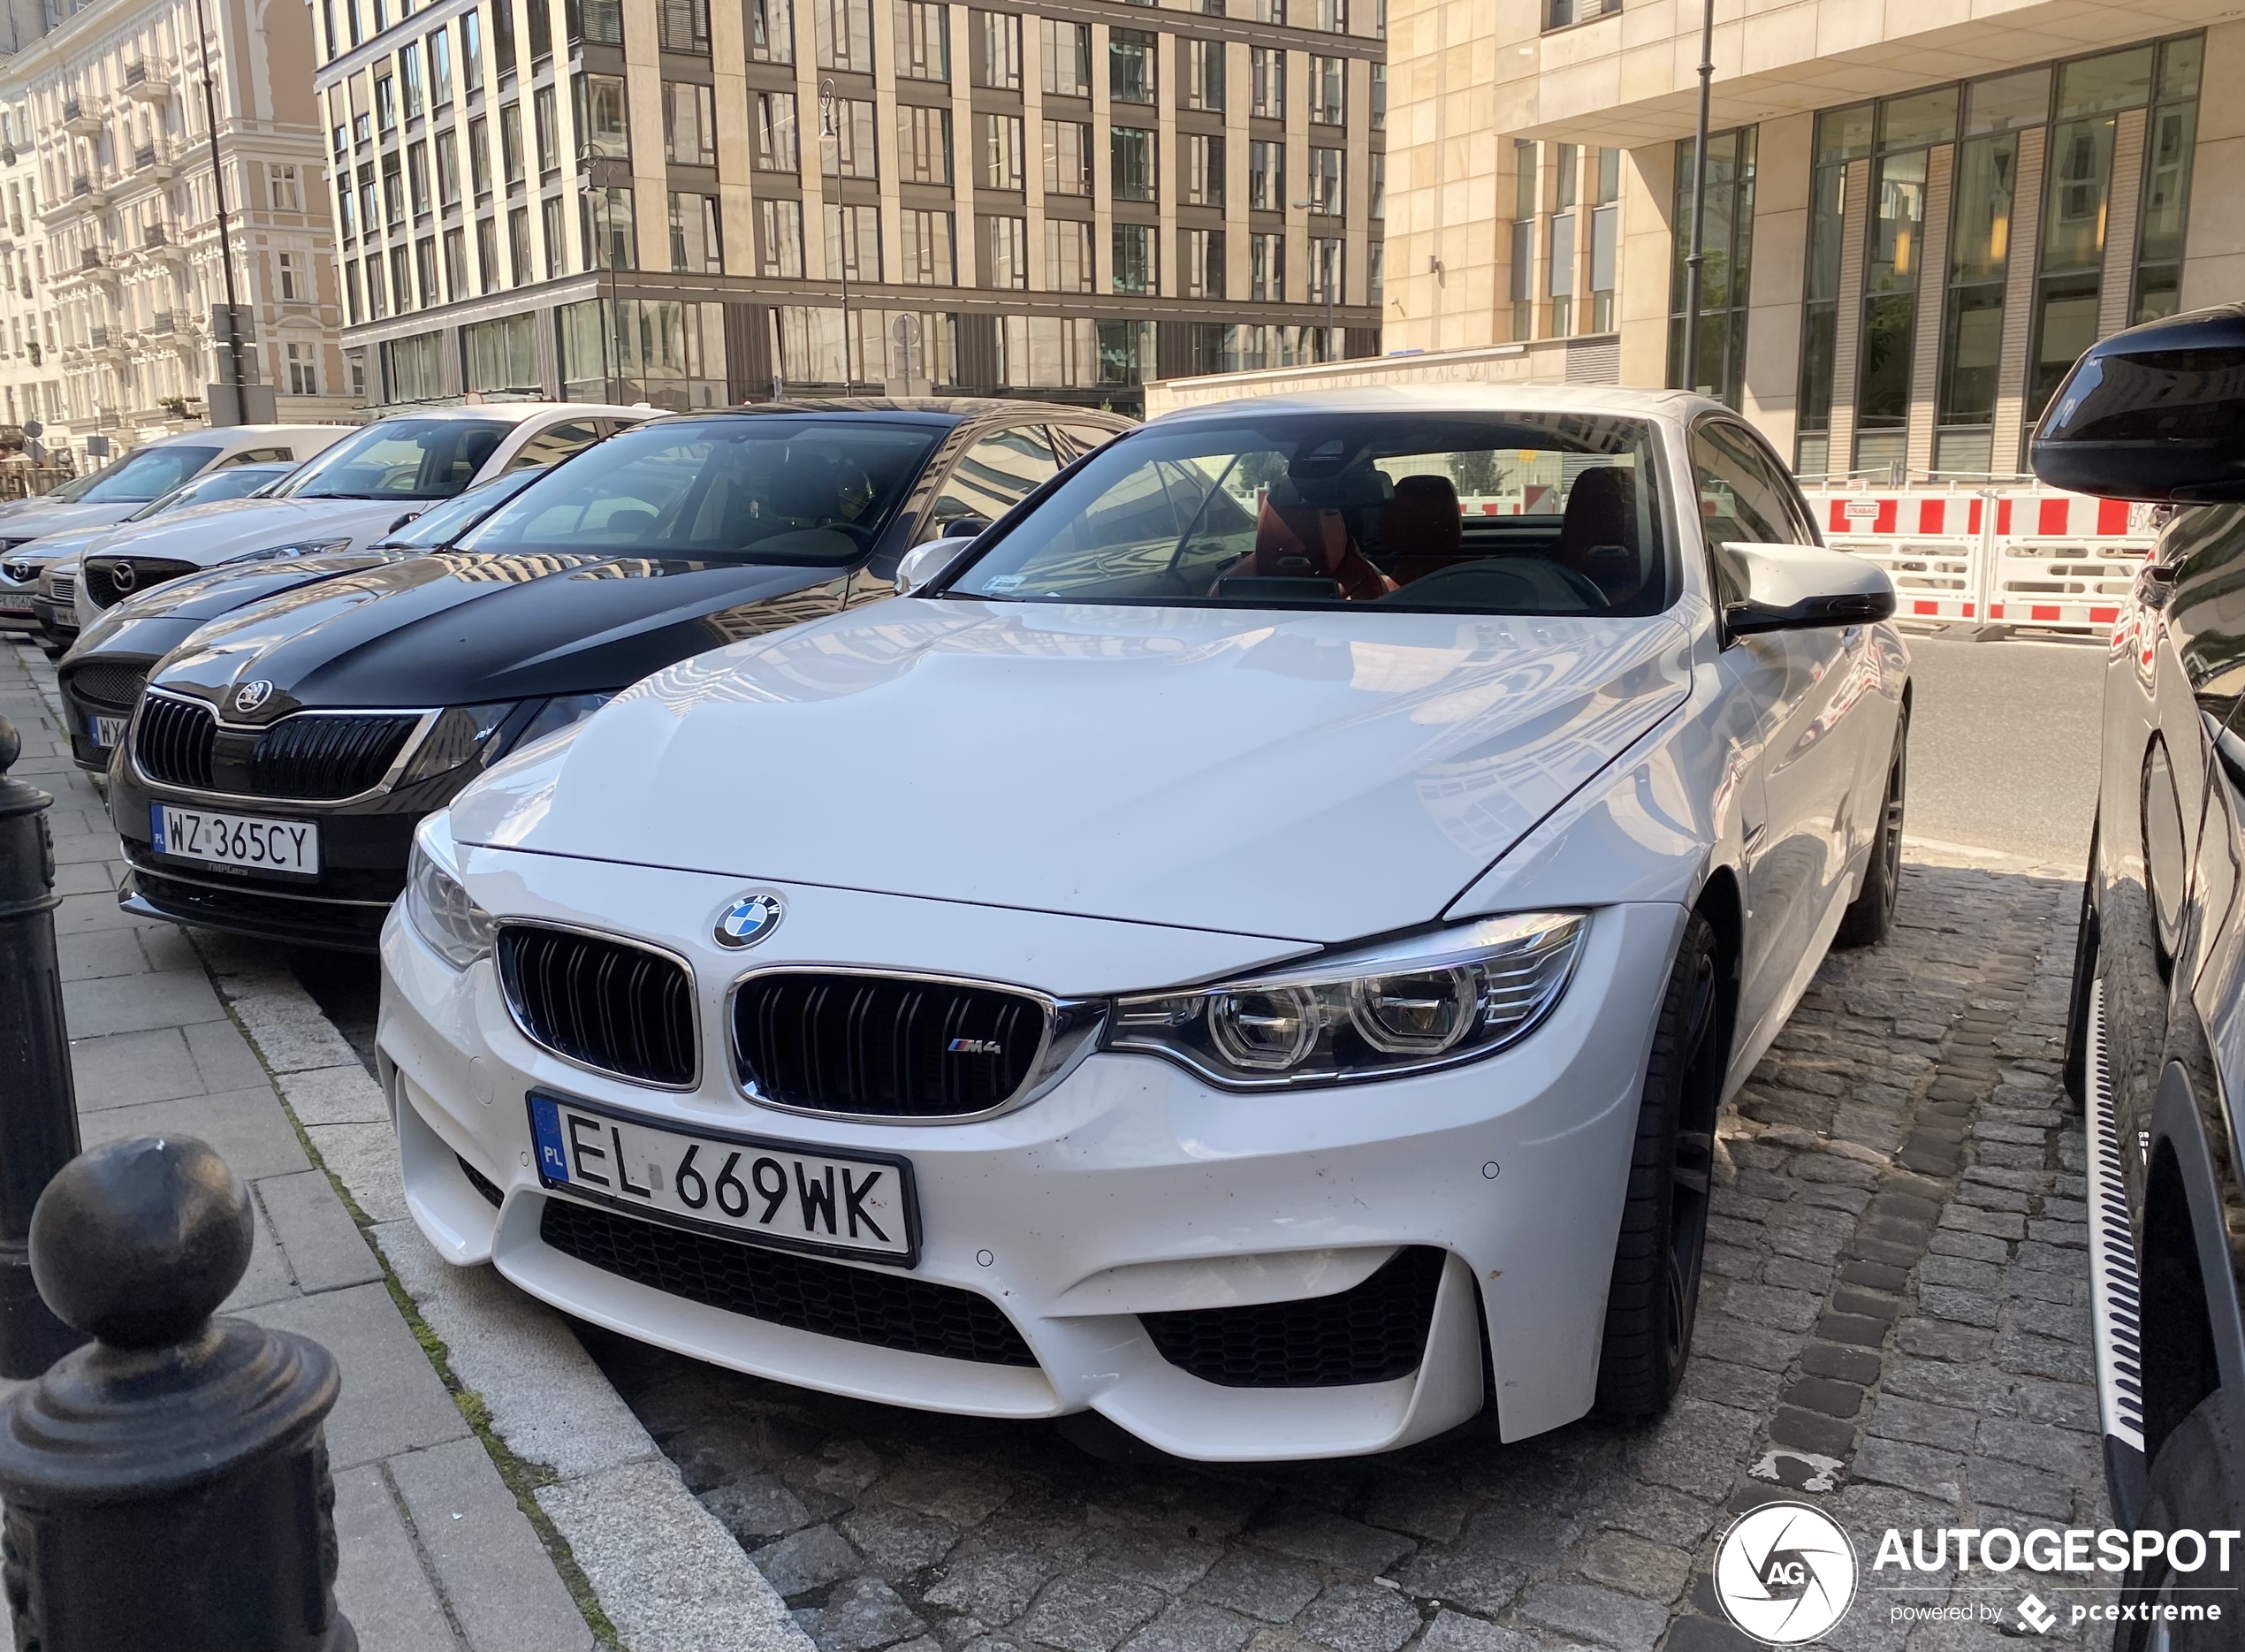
1662 1253
1870 915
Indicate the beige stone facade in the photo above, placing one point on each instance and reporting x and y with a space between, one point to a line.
1922 210
109 240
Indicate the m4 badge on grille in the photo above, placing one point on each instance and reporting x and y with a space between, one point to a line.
749 920
975 1046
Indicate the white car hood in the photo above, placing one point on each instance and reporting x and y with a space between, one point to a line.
1320 777
34 521
207 534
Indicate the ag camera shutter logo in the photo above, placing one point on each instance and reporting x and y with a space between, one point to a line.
1785 1573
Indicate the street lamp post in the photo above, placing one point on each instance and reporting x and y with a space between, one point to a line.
218 202
1697 259
830 131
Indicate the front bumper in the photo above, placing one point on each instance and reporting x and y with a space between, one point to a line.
1130 1189
362 868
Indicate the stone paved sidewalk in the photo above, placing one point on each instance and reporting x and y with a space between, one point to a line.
1895 1327
437 1553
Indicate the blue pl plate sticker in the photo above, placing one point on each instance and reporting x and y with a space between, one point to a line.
156 827
545 1124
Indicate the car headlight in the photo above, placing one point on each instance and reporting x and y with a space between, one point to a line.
457 737
440 912
276 553
559 713
1454 995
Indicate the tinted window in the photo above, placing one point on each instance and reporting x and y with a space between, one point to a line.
262 455
234 481
441 524
148 475
1742 498
772 488
995 475
400 459
551 447
1453 513
1083 438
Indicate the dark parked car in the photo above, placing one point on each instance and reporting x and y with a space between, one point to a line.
2156 1043
103 677
280 761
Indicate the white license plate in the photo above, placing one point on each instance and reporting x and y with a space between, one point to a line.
107 731
228 840
772 1193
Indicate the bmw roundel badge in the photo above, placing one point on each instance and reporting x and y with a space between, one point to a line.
749 920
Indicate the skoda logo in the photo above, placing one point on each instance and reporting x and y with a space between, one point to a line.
250 696
1785 1573
748 920
122 575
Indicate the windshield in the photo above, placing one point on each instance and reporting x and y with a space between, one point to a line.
441 524
400 459
149 474
772 488
71 492
1456 513
236 481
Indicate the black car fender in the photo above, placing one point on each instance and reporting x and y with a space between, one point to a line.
2194 1321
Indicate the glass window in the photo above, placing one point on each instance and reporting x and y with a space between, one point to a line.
1329 93
2007 102
689 124
1132 152
695 245
1134 259
1068 255
923 144
1267 82
1920 118
2119 79
683 26
1891 271
500 355
1290 510
780 239
1002 152
774 113
510 141
1728 262
997 50
1843 135
1130 66
399 458
772 31
147 475
604 128
1068 158
551 447
993 476
767 487
1203 62
844 30
2171 139
922 41
1743 496
1067 58
926 254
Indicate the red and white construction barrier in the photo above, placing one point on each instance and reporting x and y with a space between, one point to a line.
1995 556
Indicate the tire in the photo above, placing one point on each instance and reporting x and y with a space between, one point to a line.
2189 1491
1871 913
1653 1297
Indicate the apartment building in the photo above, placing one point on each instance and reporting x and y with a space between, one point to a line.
110 271
702 201
1917 217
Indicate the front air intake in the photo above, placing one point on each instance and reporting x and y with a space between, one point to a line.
172 742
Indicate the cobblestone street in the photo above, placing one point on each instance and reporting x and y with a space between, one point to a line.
1895 1326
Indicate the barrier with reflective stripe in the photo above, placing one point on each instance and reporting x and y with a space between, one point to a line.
1996 556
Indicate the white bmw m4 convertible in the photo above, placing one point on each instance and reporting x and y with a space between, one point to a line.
1254 945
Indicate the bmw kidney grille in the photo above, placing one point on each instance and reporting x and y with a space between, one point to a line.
884 1046
603 1004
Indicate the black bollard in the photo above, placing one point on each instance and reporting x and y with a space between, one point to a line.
38 1103
167 1488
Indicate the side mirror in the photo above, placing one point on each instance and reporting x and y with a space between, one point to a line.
922 565
2155 413
964 527
1796 588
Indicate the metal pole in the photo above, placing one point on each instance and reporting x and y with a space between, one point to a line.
218 200
830 130
39 1128
1697 256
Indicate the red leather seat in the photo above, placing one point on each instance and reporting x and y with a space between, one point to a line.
1598 534
1421 529
1303 542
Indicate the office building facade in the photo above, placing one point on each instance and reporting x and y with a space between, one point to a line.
700 202
1915 218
